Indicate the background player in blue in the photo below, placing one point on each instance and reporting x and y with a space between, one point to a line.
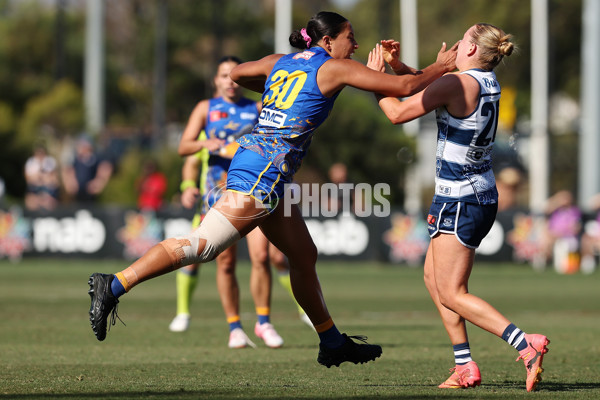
465 202
298 92
225 117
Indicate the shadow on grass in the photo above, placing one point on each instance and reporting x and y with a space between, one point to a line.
567 387
211 394
548 386
180 394
490 391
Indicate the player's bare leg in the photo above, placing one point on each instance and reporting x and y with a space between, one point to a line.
260 286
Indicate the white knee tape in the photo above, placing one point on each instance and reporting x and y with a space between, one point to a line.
215 232
218 233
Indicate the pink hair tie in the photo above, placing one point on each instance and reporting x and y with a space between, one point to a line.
306 38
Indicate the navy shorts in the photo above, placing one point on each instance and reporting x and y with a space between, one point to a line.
469 222
255 176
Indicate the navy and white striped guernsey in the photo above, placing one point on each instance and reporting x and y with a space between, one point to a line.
464 148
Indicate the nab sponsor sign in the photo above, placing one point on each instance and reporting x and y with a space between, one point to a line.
81 233
87 233
342 236
121 233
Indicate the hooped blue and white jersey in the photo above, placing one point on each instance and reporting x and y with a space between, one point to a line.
464 148
293 107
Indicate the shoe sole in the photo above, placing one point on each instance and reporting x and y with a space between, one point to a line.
277 346
178 330
330 364
469 385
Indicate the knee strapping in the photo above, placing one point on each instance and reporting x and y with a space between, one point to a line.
214 235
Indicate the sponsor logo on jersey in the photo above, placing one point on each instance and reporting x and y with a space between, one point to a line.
272 118
247 115
216 115
306 55
444 190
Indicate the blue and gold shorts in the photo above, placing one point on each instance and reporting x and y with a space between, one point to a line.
255 176
469 222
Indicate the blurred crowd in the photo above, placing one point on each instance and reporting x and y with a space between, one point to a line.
81 176
568 237
569 241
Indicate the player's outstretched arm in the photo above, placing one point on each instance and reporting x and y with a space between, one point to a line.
335 74
391 55
253 74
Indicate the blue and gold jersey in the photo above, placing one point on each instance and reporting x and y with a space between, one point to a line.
293 107
229 121
226 121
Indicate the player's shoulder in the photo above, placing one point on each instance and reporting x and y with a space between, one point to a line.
454 79
203 104
270 60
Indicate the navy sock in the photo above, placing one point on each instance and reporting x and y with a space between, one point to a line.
116 287
332 338
263 319
234 325
462 353
515 337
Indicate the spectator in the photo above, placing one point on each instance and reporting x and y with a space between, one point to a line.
560 240
508 183
42 180
344 200
86 176
151 187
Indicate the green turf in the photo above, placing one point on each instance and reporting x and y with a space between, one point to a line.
48 351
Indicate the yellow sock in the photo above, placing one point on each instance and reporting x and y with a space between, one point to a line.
284 280
234 322
263 314
124 283
186 284
324 326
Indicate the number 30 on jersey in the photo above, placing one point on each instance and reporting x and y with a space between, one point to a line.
285 88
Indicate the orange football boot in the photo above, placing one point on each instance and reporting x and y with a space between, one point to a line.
532 356
463 376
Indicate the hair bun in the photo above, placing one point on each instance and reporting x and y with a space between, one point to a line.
505 47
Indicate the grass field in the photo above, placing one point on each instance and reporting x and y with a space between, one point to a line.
48 351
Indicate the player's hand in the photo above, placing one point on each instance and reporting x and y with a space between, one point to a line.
189 196
213 144
448 58
390 50
375 60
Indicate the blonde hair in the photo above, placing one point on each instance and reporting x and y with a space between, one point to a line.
493 43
